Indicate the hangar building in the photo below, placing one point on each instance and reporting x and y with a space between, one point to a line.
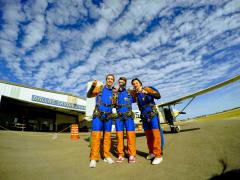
35 109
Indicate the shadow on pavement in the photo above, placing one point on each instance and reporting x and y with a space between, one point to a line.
232 174
182 130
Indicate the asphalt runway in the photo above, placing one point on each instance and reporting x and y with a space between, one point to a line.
194 153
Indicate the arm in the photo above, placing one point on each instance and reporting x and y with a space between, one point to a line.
152 92
133 94
115 96
94 90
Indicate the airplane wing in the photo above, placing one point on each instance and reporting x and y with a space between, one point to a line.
203 91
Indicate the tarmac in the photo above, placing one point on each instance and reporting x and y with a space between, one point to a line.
199 151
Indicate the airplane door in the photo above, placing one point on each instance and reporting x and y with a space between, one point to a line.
168 115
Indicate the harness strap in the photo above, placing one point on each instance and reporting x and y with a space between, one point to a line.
98 113
125 115
147 117
103 116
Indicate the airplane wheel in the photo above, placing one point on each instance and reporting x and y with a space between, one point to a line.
177 129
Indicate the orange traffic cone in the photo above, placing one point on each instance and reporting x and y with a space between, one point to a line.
74 132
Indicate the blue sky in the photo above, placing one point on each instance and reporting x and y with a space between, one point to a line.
177 46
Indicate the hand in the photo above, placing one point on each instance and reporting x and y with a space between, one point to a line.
94 83
144 91
115 89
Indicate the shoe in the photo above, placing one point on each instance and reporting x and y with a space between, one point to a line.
92 164
108 160
157 161
131 159
150 156
120 159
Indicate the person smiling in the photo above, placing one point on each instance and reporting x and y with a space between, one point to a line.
125 117
145 99
102 119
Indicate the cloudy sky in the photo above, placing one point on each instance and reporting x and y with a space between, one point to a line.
177 46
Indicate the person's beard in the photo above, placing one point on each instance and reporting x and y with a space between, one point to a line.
122 87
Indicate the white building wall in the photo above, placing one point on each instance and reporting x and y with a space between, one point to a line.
42 97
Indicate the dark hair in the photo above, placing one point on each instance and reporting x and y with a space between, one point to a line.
124 79
110 75
136 79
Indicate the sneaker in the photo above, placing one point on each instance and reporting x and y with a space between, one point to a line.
157 160
120 159
150 156
92 164
108 160
131 159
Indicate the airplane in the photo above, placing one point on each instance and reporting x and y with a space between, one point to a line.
167 114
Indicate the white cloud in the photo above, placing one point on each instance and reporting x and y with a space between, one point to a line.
12 16
34 32
61 49
43 53
7 48
138 11
33 8
231 7
66 12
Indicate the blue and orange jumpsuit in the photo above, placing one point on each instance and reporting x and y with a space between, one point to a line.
125 118
101 120
150 120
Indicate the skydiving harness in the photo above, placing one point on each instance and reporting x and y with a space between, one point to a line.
103 116
147 116
123 116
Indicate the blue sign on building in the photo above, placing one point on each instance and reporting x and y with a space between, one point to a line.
57 102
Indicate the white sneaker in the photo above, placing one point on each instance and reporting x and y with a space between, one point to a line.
120 159
92 164
157 160
131 159
108 160
150 156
